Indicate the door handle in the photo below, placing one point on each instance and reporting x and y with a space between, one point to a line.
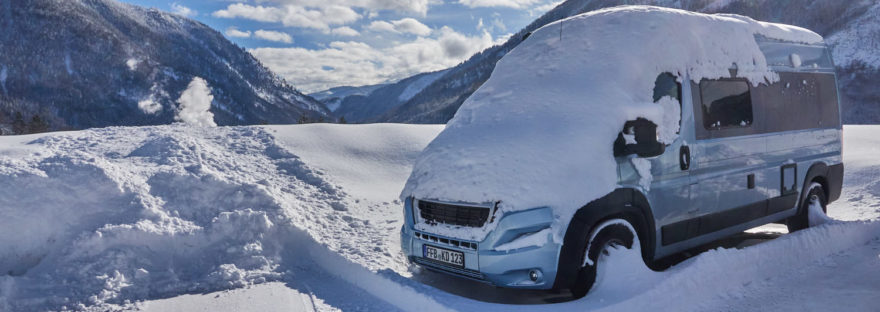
684 157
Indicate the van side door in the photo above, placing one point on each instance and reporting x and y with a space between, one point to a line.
728 162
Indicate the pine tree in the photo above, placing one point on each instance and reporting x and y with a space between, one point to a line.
38 125
18 124
303 119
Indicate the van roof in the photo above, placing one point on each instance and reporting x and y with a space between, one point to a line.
540 131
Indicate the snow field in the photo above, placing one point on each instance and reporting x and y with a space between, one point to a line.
119 218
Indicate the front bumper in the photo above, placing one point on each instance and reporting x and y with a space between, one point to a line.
482 262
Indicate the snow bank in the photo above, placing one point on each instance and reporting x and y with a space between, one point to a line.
730 270
100 217
540 131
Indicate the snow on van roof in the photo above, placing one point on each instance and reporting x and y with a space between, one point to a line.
540 131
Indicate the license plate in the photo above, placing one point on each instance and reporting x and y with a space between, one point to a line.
446 256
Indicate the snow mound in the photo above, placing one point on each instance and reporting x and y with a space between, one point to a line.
100 217
540 131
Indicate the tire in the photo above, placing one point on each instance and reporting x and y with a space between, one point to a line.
801 220
615 232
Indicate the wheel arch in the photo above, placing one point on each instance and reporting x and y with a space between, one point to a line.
818 173
623 203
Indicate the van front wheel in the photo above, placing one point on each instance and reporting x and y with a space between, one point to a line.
609 234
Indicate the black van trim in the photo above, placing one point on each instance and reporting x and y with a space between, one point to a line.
835 181
687 229
626 203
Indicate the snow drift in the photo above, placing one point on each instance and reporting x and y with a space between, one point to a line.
540 131
101 217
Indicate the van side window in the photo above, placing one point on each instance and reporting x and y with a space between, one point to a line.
726 104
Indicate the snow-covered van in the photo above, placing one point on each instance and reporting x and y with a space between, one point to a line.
653 129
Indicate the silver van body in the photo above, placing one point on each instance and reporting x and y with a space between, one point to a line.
745 157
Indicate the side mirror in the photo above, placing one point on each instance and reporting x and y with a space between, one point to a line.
639 137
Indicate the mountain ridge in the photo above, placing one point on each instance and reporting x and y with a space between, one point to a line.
837 21
97 63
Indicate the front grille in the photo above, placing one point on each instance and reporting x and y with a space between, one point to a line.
446 241
433 213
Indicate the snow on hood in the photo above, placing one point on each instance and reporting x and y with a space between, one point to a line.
540 131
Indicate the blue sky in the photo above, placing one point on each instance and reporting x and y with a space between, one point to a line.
318 44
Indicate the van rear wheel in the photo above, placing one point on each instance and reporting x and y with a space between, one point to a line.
802 220
609 234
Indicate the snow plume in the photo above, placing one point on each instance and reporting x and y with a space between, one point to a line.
149 106
195 104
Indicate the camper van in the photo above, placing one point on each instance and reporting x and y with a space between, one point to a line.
645 128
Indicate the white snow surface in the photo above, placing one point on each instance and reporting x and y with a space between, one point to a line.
149 106
156 218
420 84
539 132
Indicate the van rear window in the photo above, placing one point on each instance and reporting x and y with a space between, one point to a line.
726 104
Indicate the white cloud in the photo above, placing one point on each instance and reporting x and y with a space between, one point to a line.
405 25
276 36
357 63
195 104
257 13
292 15
402 6
541 9
182 10
345 31
497 25
516 4
382 26
234 32
412 26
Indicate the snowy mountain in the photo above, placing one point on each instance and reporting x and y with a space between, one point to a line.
365 104
851 28
95 63
333 97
